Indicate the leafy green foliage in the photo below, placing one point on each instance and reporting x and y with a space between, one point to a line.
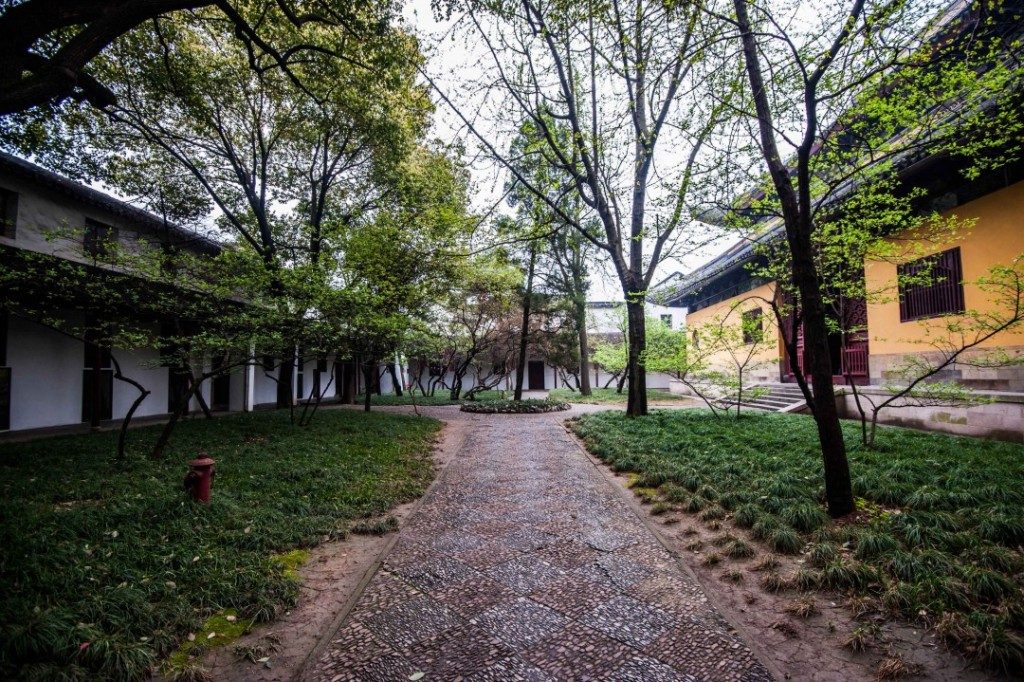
107 566
526 406
609 396
938 527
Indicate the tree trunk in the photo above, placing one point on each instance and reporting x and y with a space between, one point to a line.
636 401
621 383
284 382
524 336
394 379
203 405
165 434
368 371
796 212
581 320
838 490
122 436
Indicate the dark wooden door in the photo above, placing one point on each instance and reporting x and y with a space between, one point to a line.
536 368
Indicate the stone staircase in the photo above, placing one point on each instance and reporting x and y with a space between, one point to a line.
777 397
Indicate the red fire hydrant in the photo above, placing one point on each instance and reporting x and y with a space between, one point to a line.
199 478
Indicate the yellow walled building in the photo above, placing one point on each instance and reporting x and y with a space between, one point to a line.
994 235
766 355
898 323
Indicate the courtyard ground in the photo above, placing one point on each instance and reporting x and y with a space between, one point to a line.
526 562
527 558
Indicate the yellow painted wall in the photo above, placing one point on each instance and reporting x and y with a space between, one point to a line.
996 237
767 359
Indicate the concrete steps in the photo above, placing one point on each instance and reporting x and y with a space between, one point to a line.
773 398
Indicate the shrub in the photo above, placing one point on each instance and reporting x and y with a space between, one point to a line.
785 540
746 515
739 549
805 516
823 553
525 406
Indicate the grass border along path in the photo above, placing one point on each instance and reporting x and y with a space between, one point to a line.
106 567
937 541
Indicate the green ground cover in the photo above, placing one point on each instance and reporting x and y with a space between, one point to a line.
603 396
390 400
938 539
506 406
105 567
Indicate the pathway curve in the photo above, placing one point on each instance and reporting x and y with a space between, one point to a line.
525 563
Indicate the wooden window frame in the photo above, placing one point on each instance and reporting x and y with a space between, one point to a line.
943 296
97 236
749 317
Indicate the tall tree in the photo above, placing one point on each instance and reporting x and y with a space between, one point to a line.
625 82
849 97
48 47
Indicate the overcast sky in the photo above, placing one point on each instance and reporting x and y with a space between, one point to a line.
454 61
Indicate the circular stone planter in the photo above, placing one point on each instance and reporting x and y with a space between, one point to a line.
528 406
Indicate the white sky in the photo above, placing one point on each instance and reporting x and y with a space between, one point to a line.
454 62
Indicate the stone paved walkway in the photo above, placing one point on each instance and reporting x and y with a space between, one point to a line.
525 563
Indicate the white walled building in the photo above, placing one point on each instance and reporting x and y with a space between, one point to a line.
46 377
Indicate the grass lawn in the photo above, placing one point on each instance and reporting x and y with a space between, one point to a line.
938 539
606 396
105 567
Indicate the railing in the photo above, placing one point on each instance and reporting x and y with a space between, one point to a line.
855 361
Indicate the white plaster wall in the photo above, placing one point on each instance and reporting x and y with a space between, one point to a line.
236 391
46 376
603 320
265 390
142 366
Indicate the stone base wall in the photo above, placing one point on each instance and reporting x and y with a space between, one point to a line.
1002 419
979 378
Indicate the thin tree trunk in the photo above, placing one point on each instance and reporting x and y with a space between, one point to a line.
284 382
524 336
581 320
636 401
199 397
319 398
796 208
368 372
394 379
165 433
122 436
621 383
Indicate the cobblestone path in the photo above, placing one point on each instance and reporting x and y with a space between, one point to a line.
525 563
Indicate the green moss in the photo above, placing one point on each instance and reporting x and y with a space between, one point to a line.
217 630
290 562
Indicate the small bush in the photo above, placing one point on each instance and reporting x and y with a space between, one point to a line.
807 579
785 540
842 574
526 406
712 513
772 581
823 553
804 517
804 607
862 637
739 549
712 559
746 515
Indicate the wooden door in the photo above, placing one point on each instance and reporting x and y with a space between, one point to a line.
536 375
